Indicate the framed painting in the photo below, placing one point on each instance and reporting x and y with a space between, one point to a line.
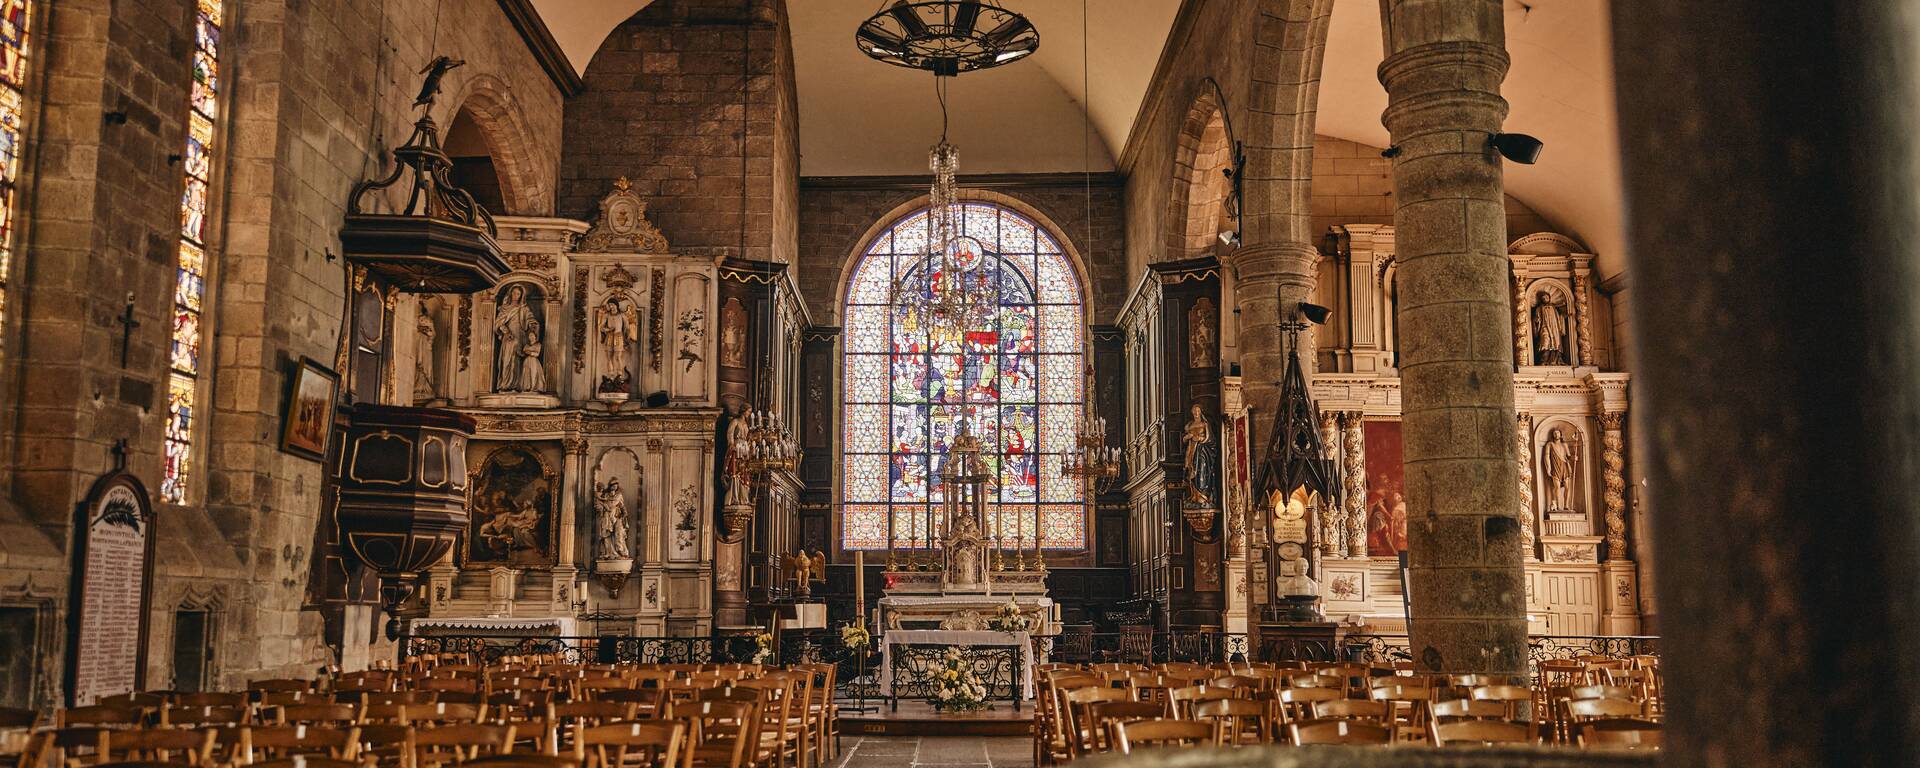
310 400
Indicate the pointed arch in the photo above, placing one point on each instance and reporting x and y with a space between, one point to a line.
524 187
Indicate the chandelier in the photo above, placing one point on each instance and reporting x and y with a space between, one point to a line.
769 448
947 37
1090 459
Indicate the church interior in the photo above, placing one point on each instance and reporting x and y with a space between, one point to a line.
862 383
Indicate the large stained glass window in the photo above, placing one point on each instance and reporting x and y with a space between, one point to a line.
190 286
1014 377
15 19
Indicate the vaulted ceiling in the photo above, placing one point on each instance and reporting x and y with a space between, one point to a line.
860 117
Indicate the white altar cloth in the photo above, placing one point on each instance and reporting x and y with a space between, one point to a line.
895 637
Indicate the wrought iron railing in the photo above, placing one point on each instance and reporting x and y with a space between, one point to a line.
916 670
1077 644
1386 649
606 649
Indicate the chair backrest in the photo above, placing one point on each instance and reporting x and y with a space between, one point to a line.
305 761
313 714
589 712
1480 732
281 684
1620 734
1237 721
442 712
459 743
1136 643
97 715
1160 733
1470 709
277 741
656 742
206 715
1351 709
376 698
729 730
527 761
1081 728
13 717
162 744
135 699
212 699
1102 716
1600 692
388 743
1339 732
1597 708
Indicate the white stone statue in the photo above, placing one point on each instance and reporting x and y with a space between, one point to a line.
963 555
1549 330
517 363
619 326
423 330
1290 573
1557 461
610 509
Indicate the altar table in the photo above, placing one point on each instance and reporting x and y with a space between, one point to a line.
962 638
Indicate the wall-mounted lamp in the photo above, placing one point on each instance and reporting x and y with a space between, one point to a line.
1236 172
1314 313
1518 147
1391 152
1229 238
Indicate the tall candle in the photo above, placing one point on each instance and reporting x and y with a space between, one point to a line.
860 588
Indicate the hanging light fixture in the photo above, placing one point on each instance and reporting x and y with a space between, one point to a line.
770 447
1090 459
947 37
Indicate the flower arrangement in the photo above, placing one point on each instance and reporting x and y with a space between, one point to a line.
1008 618
956 687
855 637
763 648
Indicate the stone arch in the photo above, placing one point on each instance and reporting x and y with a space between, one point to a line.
1197 198
524 187
1281 106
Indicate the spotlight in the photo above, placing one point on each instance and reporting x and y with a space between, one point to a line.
1518 147
1314 313
1229 238
1390 152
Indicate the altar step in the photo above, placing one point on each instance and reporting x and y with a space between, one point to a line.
918 718
533 594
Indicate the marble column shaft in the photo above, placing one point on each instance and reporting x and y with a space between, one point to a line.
1523 462
1613 463
1445 61
1333 523
1355 472
1270 280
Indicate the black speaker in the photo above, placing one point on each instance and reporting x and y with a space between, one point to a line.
657 399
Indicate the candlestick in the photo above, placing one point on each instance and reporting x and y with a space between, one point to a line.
860 588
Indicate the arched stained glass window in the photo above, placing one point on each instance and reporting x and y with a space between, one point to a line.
16 17
190 285
1014 377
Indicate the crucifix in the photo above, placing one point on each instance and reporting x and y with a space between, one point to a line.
128 323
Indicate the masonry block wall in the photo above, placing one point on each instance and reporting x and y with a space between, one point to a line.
838 214
663 107
314 94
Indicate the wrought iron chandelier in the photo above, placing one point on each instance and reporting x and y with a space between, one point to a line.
947 37
770 446
1091 459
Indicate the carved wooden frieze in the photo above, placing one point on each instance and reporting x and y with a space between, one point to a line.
466 328
656 299
579 319
622 225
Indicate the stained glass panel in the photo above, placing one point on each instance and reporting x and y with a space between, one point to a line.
1063 526
908 390
189 290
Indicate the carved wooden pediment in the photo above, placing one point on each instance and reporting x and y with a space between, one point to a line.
622 225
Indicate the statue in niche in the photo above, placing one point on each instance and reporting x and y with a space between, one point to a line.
739 491
733 334
1290 573
1203 344
1558 461
1202 461
619 326
1549 329
517 365
423 330
963 569
610 508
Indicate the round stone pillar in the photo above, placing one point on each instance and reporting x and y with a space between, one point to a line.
1445 60
1270 280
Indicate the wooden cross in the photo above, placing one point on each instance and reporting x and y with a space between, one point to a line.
128 323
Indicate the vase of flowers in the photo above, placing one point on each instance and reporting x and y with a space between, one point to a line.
956 688
855 638
763 648
1008 618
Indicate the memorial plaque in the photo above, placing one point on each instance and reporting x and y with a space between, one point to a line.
107 654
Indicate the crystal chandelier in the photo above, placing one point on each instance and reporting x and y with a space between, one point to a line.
770 446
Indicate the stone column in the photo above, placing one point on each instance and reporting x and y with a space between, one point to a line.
1270 280
1613 461
1583 312
1445 60
1523 462
1333 523
1355 471
576 482
1780 392
1522 323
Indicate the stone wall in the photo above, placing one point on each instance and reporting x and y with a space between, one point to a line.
838 215
662 107
314 93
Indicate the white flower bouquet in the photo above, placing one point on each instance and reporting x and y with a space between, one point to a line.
956 687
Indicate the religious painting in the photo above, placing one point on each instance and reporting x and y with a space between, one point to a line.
1203 336
309 418
511 512
733 334
519 331
1386 489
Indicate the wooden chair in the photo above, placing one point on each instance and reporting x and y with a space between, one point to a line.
655 743
1235 682
158 744
314 714
1296 704
1237 721
1480 733
396 698
304 761
1408 709
1621 735
195 717
1510 697
825 714
1469 709
134 700
281 685
1183 700
1339 732
212 699
1102 716
1162 733
387 744
529 761
1359 710
779 741
725 731
442 712
1600 692
1081 729
1136 644
285 741
98 715
1584 710
459 743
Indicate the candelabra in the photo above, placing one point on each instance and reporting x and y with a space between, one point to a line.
1090 458
769 447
